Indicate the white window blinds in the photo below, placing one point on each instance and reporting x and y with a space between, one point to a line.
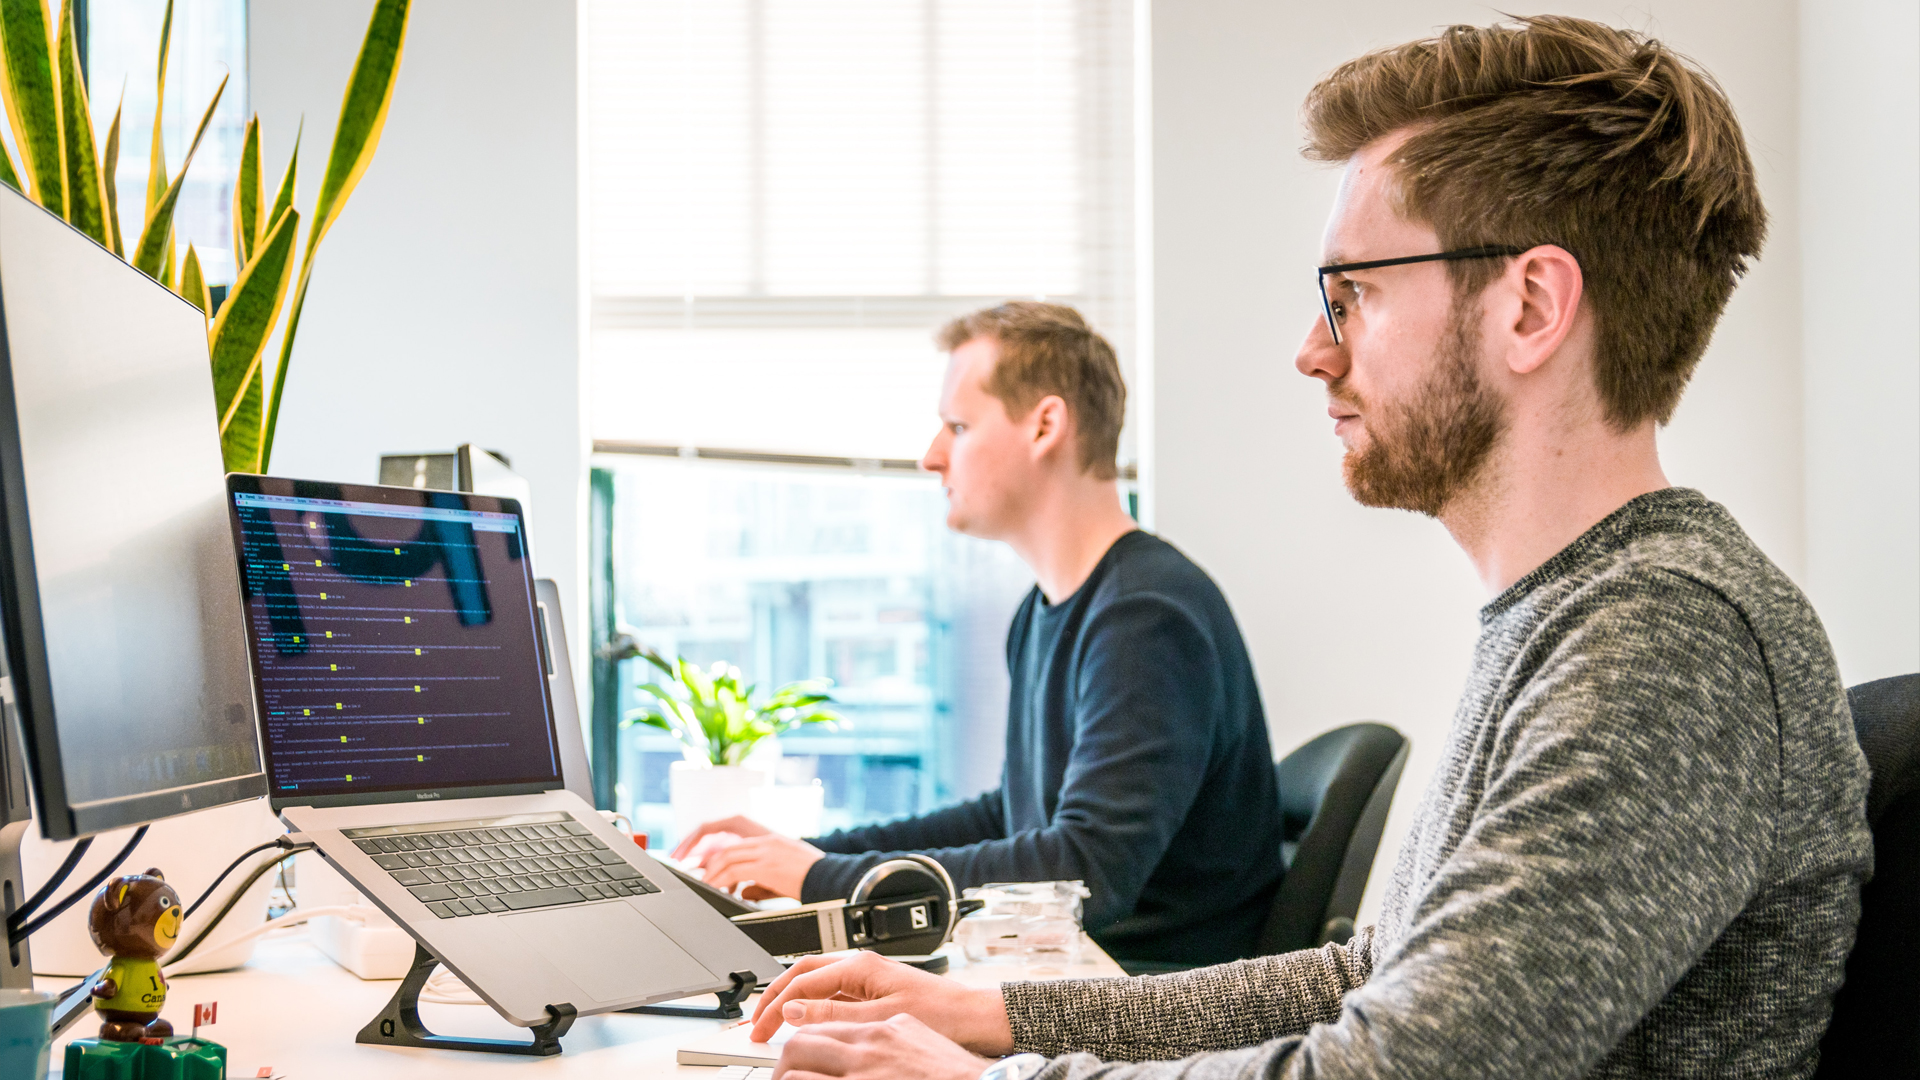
787 196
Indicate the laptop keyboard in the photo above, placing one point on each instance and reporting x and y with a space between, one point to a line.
460 868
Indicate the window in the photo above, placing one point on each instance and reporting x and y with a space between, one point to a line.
795 572
209 43
786 198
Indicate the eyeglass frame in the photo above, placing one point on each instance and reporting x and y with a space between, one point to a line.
1490 251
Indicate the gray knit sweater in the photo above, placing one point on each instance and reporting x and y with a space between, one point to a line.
1641 854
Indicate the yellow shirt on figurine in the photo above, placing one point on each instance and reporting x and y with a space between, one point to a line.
141 986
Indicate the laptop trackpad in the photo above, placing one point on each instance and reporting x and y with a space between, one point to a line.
610 950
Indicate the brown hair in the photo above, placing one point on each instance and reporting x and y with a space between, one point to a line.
1562 131
1050 349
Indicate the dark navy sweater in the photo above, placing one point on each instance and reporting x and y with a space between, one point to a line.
1137 761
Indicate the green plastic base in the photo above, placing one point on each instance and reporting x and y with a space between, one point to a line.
176 1059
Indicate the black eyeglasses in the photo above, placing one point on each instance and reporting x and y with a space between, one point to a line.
1326 304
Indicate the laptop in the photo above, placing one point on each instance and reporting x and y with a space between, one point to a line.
408 732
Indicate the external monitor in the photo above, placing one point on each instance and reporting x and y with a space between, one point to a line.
119 599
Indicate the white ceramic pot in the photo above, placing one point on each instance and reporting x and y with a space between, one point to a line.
791 809
701 792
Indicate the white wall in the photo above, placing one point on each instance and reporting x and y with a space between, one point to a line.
1860 229
444 306
1354 613
451 289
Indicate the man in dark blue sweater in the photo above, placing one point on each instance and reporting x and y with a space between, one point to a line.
1137 758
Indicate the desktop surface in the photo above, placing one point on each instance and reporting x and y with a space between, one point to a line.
295 1010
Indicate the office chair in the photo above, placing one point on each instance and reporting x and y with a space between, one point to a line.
1875 1031
1334 795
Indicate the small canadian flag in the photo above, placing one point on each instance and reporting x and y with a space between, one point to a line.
207 1014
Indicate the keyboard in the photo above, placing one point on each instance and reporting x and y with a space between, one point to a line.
462 868
744 1072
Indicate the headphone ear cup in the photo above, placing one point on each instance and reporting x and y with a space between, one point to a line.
911 874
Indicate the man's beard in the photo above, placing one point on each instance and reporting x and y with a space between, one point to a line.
1425 450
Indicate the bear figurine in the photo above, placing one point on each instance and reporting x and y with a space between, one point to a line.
135 920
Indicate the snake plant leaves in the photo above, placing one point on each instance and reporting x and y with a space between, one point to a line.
109 160
240 443
86 198
193 282
32 98
283 200
8 176
363 113
157 155
150 255
248 194
240 335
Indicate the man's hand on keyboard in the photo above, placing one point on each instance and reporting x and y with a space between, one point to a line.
895 1049
776 864
867 987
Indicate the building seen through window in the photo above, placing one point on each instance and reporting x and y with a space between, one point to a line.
209 44
793 573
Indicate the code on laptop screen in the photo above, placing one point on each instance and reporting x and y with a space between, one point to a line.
394 646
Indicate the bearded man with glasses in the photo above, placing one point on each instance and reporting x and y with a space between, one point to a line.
1641 854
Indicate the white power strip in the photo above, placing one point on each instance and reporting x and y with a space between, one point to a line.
371 946
374 949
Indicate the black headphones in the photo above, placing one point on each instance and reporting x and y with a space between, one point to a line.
905 906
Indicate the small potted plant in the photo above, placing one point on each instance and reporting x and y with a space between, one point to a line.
727 739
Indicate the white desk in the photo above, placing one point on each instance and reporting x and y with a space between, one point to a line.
294 1009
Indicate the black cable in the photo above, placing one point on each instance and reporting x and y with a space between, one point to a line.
278 841
206 929
16 936
25 911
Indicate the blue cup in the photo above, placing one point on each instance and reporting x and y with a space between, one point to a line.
26 1033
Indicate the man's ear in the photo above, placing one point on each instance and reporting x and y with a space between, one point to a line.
1544 287
1047 425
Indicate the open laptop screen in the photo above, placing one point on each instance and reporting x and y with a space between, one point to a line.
393 643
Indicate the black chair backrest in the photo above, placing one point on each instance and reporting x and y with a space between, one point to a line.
1876 1016
1334 795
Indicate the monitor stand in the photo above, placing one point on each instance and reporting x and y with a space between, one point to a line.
16 969
16 817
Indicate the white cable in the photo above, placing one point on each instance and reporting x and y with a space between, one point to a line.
356 912
445 988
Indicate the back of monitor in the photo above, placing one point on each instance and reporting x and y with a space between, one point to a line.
120 598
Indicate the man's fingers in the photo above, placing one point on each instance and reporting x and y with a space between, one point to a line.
701 832
817 982
739 825
731 866
817 1052
750 849
833 1012
801 967
686 843
846 1031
